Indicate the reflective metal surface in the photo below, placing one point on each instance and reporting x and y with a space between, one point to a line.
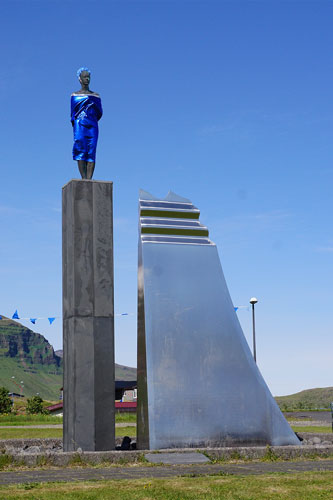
198 384
86 110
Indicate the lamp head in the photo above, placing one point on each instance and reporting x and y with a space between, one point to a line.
253 300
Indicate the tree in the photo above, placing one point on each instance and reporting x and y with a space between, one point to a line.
35 406
5 401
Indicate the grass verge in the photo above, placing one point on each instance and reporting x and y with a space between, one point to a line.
27 433
300 486
11 420
312 428
125 417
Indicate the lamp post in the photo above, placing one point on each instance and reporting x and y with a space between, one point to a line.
252 302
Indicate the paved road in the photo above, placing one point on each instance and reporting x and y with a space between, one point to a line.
306 423
86 474
323 416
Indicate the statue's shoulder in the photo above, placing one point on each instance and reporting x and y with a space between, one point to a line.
79 92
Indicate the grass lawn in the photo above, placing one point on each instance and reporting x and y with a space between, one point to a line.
29 433
50 420
53 433
29 420
312 428
300 486
125 417
120 431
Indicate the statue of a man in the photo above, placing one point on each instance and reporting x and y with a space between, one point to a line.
86 110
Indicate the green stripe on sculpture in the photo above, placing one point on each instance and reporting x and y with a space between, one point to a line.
175 231
169 214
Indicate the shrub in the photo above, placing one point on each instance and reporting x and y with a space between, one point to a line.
35 406
5 401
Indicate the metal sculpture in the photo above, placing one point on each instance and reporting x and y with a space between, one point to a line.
198 384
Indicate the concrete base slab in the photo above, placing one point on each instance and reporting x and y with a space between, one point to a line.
177 458
32 452
58 458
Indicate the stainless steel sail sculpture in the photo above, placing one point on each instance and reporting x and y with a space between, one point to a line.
198 384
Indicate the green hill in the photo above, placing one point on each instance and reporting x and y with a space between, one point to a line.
27 356
125 372
122 372
307 400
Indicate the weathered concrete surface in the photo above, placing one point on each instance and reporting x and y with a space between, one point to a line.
43 443
37 451
88 316
184 458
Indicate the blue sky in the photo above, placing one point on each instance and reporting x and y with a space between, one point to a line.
226 103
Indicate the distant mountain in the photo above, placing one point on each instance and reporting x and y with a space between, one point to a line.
26 356
308 399
125 372
122 372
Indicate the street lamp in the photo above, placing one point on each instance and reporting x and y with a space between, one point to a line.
252 302
13 393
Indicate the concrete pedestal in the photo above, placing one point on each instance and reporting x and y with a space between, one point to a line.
88 316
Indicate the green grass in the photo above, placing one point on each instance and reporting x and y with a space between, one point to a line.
29 420
306 400
28 433
300 486
312 428
38 378
126 431
125 417
297 410
10 420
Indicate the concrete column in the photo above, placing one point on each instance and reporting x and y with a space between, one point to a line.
88 316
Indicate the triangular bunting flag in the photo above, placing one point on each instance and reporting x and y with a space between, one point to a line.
15 315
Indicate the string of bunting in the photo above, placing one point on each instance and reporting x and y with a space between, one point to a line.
52 318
